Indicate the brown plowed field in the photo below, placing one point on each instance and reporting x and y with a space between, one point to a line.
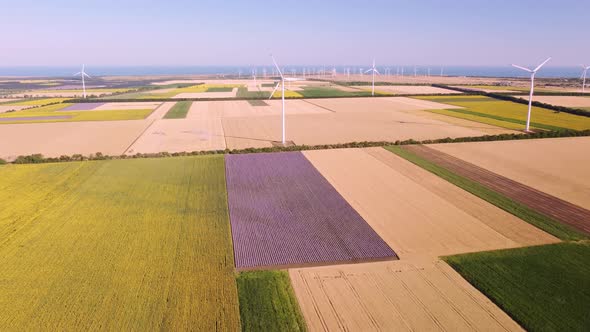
415 212
551 206
394 296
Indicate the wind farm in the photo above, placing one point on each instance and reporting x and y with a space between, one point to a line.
286 183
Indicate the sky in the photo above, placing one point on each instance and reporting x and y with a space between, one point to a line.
183 32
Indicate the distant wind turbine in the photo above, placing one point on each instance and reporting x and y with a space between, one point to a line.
584 77
83 74
532 72
374 71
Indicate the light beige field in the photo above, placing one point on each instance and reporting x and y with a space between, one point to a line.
414 211
160 110
231 94
567 101
68 138
345 120
243 109
6 108
394 296
409 89
557 166
5 100
200 131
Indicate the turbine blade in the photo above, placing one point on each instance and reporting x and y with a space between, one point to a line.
76 74
275 62
86 75
541 65
275 90
523 68
376 71
369 70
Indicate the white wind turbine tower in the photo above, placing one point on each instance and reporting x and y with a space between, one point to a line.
374 71
83 74
282 84
532 72
584 77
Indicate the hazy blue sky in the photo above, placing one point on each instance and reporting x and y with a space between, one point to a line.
183 32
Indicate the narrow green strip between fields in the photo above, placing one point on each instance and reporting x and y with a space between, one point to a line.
268 303
533 217
504 119
543 288
179 110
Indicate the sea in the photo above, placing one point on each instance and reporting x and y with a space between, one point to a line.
246 71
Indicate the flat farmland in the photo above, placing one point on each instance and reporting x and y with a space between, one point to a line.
567 101
284 213
68 138
554 166
409 89
394 296
414 211
140 244
345 120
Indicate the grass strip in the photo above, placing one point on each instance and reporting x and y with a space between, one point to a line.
179 110
523 212
267 302
543 288
257 102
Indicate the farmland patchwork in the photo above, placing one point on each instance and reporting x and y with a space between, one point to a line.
283 212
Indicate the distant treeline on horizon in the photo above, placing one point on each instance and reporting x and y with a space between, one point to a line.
247 71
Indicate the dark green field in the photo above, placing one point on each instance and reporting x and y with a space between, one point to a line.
219 89
267 302
244 93
545 288
179 110
311 92
257 102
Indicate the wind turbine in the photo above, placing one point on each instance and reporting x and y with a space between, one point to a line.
584 77
374 71
282 84
533 72
82 74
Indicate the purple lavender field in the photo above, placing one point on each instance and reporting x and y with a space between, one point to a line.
284 212
82 107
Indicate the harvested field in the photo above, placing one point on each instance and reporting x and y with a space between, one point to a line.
544 288
6 108
243 109
231 94
414 211
284 213
410 89
567 213
68 138
553 166
118 245
567 101
394 296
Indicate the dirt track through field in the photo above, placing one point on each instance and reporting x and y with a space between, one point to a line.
394 296
563 211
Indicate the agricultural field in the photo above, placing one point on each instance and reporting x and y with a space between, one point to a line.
69 138
389 191
69 93
553 166
140 244
507 114
179 110
267 302
558 217
394 296
408 89
566 101
544 288
64 112
284 213
515 89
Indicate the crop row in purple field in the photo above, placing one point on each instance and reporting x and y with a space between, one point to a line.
283 212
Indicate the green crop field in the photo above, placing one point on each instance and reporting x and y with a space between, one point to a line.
502 88
267 302
244 93
257 102
219 89
140 244
75 116
507 114
545 288
36 102
179 110
331 92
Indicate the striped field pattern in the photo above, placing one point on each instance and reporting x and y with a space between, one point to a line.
283 212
